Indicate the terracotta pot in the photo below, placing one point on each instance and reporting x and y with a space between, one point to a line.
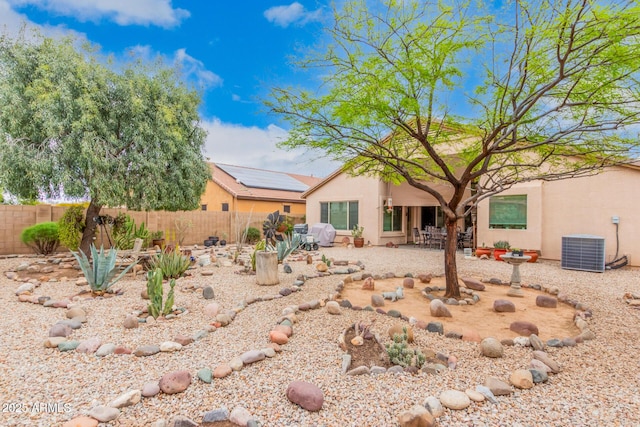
158 242
532 254
483 251
358 242
498 252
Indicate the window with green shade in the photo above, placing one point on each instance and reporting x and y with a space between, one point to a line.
342 215
508 212
392 221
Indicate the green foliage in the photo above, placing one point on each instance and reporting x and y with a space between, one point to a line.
286 246
401 354
501 244
156 293
70 227
357 231
101 271
271 225
172 264
326 260
125 134
261 245
126 232
43 238
553 94
253 235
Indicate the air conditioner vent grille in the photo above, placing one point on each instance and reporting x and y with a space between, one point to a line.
583 252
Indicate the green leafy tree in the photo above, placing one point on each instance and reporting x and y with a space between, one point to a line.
72 126
71 225
463 95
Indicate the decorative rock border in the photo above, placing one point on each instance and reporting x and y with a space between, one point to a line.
540 365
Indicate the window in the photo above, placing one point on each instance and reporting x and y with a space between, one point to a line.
287 208
392 221
225 207
203 207
508 212
342 215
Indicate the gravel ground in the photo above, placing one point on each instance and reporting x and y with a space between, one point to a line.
598 385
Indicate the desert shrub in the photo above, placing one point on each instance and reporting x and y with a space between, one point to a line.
156 292
172 264
125 232
401 354
43 238
70 227
253 235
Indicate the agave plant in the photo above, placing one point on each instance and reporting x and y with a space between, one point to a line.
101 271
287 246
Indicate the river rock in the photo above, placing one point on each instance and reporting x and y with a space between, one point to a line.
454 399
127 399
207 292
150 389
536 342
60 330
417 416
130 322
544 358
81 421
433 405
170 346
252 356
398 329
408 283
497 386
377 300
491 347
546 301
89 346
333 307
146 350
504 306
212 309
104 414
521 378
473 284
438 309
222 370
205 375
175 382
524 328
307 395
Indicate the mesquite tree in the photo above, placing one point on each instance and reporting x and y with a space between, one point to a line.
472 96
72 126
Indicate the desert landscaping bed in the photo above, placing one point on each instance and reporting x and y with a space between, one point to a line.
597 385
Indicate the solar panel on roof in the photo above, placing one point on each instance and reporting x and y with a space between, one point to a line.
264 179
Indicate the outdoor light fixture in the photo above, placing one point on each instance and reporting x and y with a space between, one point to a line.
389 205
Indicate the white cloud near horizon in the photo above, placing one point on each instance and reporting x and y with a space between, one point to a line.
295 13
252 146
122 12
195 68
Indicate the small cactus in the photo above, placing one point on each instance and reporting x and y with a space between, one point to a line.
156 293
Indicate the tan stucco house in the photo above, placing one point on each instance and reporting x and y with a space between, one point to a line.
244 189
536 215
533 215
387 212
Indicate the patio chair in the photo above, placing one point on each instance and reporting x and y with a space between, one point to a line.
126 257
418 238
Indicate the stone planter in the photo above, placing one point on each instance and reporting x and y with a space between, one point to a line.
267 268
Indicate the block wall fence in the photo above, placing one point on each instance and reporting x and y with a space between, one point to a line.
226 225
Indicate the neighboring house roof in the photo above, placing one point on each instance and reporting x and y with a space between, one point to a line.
260 184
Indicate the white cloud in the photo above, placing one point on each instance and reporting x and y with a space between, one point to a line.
196 69
256 147
123 12
12 22
295 13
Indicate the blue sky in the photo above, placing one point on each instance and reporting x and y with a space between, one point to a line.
232 51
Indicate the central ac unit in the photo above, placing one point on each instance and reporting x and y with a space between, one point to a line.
583 252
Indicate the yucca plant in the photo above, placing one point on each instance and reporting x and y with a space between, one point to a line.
173 264
101 271
156 293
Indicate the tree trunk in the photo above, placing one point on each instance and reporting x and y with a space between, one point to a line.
450 268
90 228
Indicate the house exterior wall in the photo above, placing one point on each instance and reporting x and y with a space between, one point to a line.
215 195
583 205
371 193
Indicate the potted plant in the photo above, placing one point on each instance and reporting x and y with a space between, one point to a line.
266 259
483 250
356 232
223 241
500 248
517 252
214 239
157 239
533 254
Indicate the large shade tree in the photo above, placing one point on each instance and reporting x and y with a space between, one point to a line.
72 125
470 95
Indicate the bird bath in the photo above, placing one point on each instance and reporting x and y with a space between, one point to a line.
515 289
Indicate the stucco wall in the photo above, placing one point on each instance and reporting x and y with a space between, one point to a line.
214 196
575 206
370 193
